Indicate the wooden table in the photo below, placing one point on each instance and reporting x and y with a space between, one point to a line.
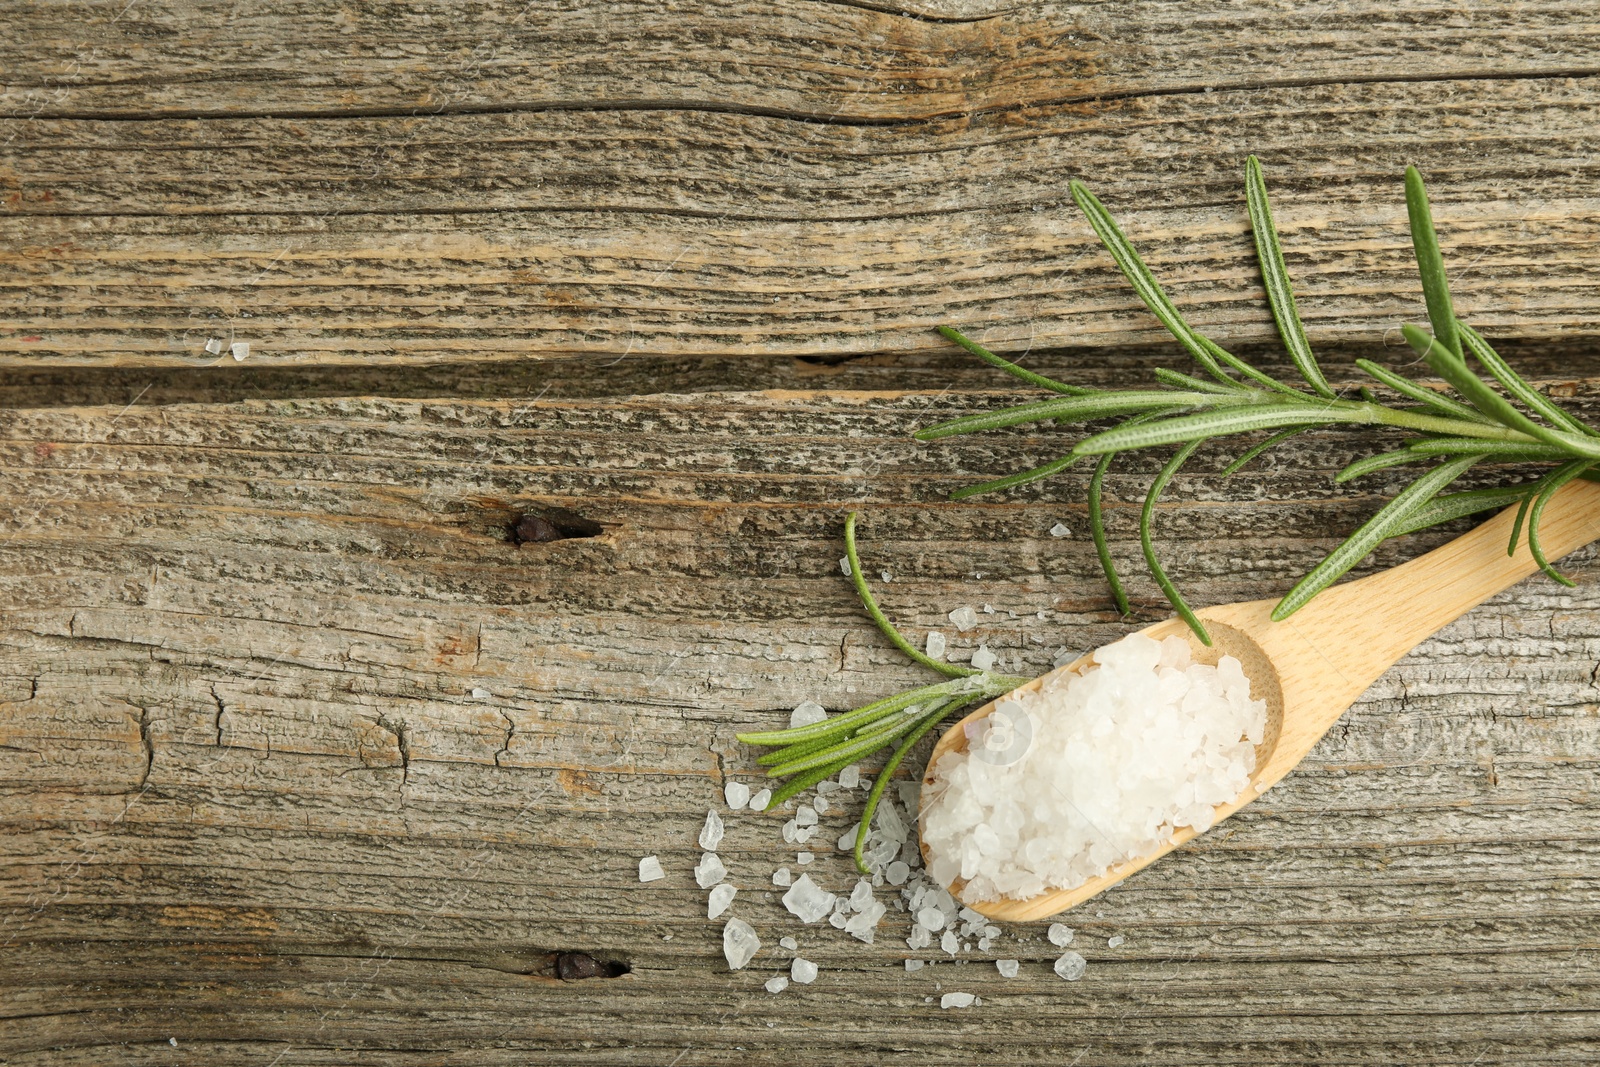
306 760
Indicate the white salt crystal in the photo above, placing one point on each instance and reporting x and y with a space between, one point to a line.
827 787
481 694
240 350
864 923
931 919
913 965
807 713
988 609
214 346
983 944
898 872
739 943
819 805
844 566
861 895
837 920
1070 966
850 777
920 937
1115 941
1007 968
650 869
885 576
956 1000
973 918
806 816
777 983
711 833
982 659
1060 935
709 871
949 943
789 829
737 794
1060 530
721 896
760 801
847 840
935 645
808 901
781 876
789 943
963 619
804 858
803 971
1108 763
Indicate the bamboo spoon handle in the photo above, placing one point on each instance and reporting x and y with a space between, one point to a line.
1357 630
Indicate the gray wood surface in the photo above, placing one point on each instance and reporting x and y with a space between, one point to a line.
496 258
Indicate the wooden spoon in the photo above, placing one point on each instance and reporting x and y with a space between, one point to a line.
1313 665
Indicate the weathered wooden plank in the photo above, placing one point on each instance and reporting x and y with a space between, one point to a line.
251 800
682 229
830 61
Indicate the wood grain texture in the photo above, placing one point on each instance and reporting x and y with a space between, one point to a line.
784 180
251 803
675 267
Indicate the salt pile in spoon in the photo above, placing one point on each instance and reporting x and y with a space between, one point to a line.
1095 768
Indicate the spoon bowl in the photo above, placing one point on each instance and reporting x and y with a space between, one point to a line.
1313 665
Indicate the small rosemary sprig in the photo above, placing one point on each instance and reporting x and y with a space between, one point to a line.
1477 425
1482 426
811 753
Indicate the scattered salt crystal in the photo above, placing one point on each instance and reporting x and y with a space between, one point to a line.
963 619
844 566
1060 530
827 787
819 805
913 965
949 943
789 943
737 794
214 346
837 920
1070 966
806 713
721 896
956 1000
935 645
1060 935
806 816
777 983
711 833
789 829
760 801
983 659
240 350
803 834
898 872
885 576
1115 941
850 777
781 876
709 871
988 609
739 943
803 971
847 840
1007 968
984 944
808 901
861 895
931 919
481 694
967 915
804 858
1104 766
650 869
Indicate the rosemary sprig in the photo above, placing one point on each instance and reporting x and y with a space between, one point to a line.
812 753
1479 425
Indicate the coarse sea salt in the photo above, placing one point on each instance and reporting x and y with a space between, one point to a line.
957 1000
1060 935
1095 768
963 619
739 943
1007 968
808 901
806 713
721 896
650 869
760 801
737 794
935 645
711 833
777 983
1070 966
709 871
803 971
